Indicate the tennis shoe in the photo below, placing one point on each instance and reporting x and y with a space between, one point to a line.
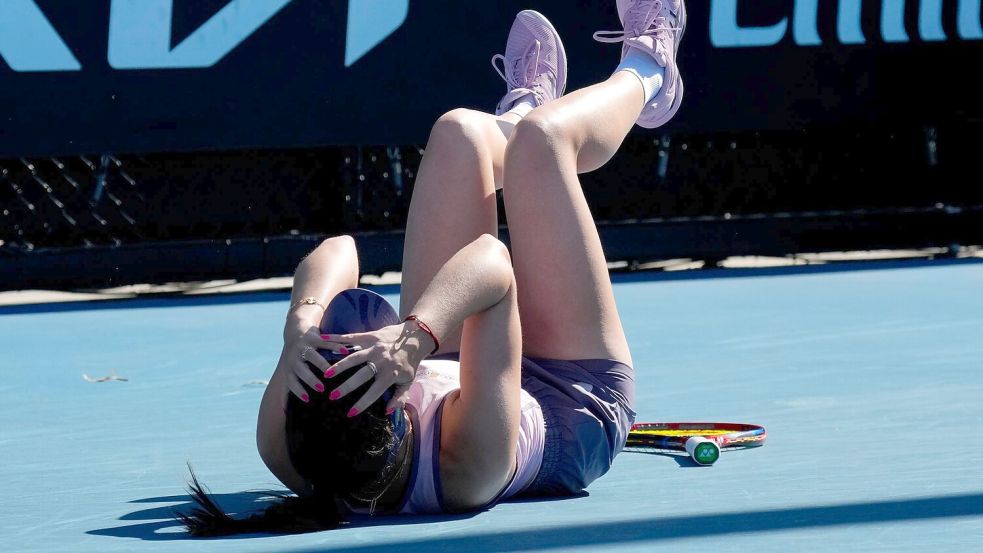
534 62
655 27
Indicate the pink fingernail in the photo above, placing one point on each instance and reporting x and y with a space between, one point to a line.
352 412
343 351
319 387
325 337
334 395
329 373
305 398
390 411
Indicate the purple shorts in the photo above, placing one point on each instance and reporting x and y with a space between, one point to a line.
588 406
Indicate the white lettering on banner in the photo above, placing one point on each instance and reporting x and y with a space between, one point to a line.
968 20
369 23
725 32
140 33
28 42
848 22
930 20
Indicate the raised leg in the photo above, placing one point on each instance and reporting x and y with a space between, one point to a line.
566 302
453 199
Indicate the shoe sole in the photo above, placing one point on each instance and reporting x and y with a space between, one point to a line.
561 54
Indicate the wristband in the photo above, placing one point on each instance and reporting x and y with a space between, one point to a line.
423 326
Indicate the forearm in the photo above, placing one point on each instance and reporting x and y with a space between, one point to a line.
329 269
476 278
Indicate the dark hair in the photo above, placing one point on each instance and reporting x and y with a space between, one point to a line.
340 456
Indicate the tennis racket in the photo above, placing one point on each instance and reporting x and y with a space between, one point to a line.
703 441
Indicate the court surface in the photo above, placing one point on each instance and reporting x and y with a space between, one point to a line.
869 381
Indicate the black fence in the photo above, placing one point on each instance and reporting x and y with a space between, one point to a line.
95 221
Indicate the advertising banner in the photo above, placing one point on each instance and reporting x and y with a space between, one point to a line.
130 76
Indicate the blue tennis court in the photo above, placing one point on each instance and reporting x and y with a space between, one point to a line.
867 377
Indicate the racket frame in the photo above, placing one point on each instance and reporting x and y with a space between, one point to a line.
646 436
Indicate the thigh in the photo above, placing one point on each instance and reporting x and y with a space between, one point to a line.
453 200
566 301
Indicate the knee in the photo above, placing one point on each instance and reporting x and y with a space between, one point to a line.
461 126
342 242
339 247
539 134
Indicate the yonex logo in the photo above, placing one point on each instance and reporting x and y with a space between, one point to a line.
140 33
725 32
706 453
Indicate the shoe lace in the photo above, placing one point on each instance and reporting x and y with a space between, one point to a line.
523 77
655 23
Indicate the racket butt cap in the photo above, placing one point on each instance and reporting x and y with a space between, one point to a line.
702 451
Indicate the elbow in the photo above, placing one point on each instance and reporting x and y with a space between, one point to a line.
335 248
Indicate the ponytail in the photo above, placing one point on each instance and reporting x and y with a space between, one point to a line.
358 457
288 514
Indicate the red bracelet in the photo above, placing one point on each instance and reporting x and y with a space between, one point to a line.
423 326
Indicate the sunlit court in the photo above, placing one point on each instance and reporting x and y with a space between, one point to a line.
304 276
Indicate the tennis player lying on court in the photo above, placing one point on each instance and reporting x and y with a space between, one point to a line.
459 406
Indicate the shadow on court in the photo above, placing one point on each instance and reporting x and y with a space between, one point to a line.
669 528
165 527
653 529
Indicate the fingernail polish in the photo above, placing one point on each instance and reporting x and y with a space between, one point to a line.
343 351
329 373
352 412
390 411
334 395
305 398
319 387
325 337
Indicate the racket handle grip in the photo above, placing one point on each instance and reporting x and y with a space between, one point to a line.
702 451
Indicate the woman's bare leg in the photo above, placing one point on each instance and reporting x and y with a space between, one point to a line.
453 205
453 199
566 302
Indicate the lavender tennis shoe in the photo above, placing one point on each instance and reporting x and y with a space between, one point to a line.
655 27
534 62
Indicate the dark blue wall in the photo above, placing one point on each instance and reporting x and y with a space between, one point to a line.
287 83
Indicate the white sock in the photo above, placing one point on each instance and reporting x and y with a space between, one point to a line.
523 106
647 70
